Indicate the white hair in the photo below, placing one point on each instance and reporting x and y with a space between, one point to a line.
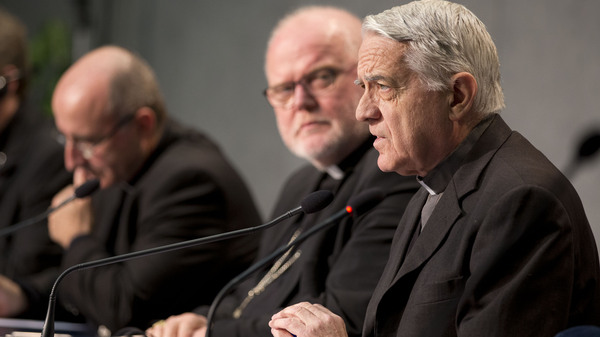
444 38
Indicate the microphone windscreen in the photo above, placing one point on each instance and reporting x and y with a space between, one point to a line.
87 188
589 146
316 201
366 200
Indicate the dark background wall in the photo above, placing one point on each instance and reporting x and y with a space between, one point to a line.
208 56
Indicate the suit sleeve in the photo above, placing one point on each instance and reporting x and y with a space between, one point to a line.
183 206
525 240
34 259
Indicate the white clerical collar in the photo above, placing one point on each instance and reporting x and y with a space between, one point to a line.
335 172
429 189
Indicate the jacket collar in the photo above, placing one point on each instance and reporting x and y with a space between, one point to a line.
448 210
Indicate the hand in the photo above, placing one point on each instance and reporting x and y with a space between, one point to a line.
12 299
307 320
72 220
184 325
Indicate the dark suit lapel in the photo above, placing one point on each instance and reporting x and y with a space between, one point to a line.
398 252
279 290
312 249
441 221
448 209
106 205
279 236
443 218
403 236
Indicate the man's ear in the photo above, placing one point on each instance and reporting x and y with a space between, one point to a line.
145 119
464 89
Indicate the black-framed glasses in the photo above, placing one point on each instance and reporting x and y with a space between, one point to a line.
87 147
317 82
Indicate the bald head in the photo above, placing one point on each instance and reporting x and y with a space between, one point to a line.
111 75
88 81
317 25
310 66
110 110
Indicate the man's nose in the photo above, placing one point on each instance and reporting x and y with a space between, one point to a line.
303 98
73 156
367 108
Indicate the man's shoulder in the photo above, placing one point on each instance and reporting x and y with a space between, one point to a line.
187 159
34 154
184 148
365 175
518 163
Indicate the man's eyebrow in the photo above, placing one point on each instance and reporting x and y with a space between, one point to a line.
372 78
79 138
308 74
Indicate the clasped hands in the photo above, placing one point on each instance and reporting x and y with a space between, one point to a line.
302 320
307 320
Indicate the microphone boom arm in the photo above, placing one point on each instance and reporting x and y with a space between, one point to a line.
48 330
267 259
35 219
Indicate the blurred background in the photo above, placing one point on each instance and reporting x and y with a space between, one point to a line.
208 56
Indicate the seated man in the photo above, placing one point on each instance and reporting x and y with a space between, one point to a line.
161 183
496 243
310 67
31 173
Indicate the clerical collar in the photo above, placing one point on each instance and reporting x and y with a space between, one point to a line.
335 172
339 171
437 179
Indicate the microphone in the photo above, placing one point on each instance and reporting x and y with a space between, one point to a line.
86 189
312 203
588 146
356 206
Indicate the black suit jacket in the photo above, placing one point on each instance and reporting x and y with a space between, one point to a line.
32 174
186 190
339 267
507 251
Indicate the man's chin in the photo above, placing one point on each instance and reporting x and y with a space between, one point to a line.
318 152
384 164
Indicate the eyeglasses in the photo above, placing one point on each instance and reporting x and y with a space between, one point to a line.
87 147
317 82
5 79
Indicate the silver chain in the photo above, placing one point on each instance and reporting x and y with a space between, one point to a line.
278 268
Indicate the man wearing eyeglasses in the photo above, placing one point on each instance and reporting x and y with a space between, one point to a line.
311 67
31 173
161 183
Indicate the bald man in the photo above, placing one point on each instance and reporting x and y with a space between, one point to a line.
311 67
161 184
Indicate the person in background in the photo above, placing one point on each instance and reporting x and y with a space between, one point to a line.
310 68
496 242
160 182
31 173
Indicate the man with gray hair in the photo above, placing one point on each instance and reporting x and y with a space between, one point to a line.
496 242
310 68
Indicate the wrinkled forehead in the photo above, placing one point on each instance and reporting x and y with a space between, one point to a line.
380 54
293 55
